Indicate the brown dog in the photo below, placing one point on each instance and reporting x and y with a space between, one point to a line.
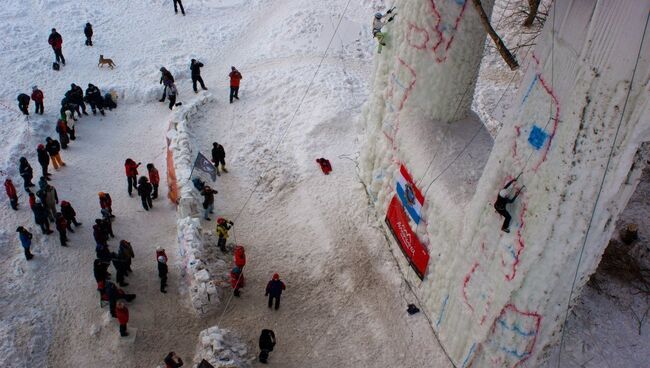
103 61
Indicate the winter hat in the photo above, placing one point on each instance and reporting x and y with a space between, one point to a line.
48 139
40 147
161 259
276 276
233 68
34 88
101 194
73 85
65 203
19 229
215 144
149 166
220 220
53 29
193 60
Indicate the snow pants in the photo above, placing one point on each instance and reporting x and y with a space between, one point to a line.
58 54
507 218
23 108
39 108
63 237
208 211
146 202
277 301
380 38
198 79
180 4
234 93
13 201
132 182
123 331
89 41
172 101
28 254
154 195
57 161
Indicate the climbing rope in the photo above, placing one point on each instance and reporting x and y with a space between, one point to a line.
600 190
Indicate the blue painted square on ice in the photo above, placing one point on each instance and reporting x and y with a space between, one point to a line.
537 137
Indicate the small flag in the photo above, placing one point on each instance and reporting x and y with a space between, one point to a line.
202 163
409 194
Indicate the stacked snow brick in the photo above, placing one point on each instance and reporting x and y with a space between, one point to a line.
222 349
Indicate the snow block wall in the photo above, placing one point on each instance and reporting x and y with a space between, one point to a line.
495 298
221 349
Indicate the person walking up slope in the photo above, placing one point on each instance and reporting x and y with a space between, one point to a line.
235 77
131 169
56 41
11 193
37 97
208 201
154 179
274 290
26 241
88 31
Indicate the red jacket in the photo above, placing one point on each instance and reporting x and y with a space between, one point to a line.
240 256
37 96
235 77
11 190
122 315
237 278
62 127
131 168
154 177
32 202
105 201
61 223
55 40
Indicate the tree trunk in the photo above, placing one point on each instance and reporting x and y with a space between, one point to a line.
503 50
532 13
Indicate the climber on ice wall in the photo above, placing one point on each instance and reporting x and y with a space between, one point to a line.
378 23
502 200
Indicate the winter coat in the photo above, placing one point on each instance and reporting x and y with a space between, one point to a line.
75 95
100 270
101 237
240 256
208 197
94 96
40 214
43 157
25 170
51 197
55 40
61 223
237 280
61 127
37 95
154 177
67 211
122 315
196 69
222 229
162 269
88 30
104 253
42 184
275 287
166 78
53 147
105 201
267 340
25 239
23 99
130 167
218 153
235 77
144 189
11 190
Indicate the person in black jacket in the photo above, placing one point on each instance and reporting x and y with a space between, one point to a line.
40 217
274 290
501 202
43 160
266 343
219 157
23 103
166 79
69 215
162 273
26 172
121 266
94 99
144 191
195 67
100 270
88 31
208 201
53 147
76 96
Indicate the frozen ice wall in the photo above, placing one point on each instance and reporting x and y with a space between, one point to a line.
574 134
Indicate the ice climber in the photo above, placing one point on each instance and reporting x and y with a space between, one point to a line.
37 97
131 170
235 78
274 290
154 179
23 103
26 241
208 201
219 157
502 200
377 24
11 193
144 191
166 79
223 225
266 343
88 32
56 41
26 172
162 272
195 68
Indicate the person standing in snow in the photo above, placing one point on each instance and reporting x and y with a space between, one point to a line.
208 201
43 160
23 103
62 129
106 204
501 202
122 314
173 361
11 193
61 226
37 97
173 92
144 191
100 270
53 147
26 172
56 41
68 107
267 343
219 157
126 253
94 99
121 268
195 68
180 3
237 280
76 96
154 179
166 79
100 234
51 199
32 200
235 77
377 24
223 225
131 169
26 241
274 290
69 215
162 272
40 217
88 31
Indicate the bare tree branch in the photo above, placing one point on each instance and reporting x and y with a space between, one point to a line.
503 50
534 5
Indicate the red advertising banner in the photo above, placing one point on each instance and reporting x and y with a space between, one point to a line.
415 252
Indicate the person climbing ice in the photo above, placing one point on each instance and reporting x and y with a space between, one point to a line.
378 23
502 200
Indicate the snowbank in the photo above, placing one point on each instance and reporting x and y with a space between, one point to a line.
222 349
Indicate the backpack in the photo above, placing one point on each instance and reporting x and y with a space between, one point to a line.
55 66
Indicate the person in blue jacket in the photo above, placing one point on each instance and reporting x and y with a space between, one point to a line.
26 240
274 290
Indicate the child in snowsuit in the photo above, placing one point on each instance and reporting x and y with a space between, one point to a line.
154 179
208 201
162 272
88 32
144 191
274 290
61 226
219 157
235 78
26 241
56 41
37 97
69 215
266 343
43 159
237 280
122 314
502 201
195 68
23 103
11 193
131 170
26 172
223 226
53 147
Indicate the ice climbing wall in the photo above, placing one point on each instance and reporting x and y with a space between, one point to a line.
574 134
